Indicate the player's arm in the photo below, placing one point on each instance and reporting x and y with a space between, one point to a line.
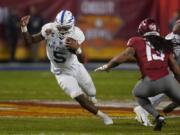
75 48
174 67
30 39
176 27
81 56
126 55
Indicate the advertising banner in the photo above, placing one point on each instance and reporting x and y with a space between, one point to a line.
107 24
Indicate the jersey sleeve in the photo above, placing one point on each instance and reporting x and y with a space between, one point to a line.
78 35
47 30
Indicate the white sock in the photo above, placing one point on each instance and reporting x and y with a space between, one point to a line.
100 114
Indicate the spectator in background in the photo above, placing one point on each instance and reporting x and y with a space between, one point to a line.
12 31
35 24
174 19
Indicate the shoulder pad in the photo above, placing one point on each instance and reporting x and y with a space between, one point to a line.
47 30
78 35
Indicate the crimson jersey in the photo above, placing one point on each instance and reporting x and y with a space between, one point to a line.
152 63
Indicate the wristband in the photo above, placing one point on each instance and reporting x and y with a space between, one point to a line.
78 51
24 29
104 66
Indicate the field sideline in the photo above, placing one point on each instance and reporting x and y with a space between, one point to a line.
62 109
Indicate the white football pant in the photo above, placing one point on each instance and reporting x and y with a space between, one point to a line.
76 81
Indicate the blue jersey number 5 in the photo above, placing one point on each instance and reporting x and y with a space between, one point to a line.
58 57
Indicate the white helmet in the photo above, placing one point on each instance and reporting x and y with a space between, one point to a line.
64 22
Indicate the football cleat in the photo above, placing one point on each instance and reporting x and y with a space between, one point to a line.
170 107
142 116
107 120
159 122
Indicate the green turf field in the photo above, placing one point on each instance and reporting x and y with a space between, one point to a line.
25 85
41 85
81 126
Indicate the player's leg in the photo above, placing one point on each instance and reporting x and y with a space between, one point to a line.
142 114
173 90
143 90
157 99
88 105
170 107
70 86
146 104
86 83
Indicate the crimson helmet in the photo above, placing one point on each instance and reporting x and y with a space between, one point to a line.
147 25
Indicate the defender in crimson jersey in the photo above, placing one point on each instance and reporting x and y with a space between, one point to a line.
154 55
141 114
152 63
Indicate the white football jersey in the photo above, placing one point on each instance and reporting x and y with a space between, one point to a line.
60 57
176 39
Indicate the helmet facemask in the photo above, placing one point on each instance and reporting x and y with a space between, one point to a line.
64 30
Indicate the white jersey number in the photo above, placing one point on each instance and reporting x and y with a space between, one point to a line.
153 56
59 58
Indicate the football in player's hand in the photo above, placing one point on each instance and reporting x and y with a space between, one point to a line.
71 44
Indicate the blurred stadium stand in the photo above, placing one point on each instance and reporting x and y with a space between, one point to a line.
107 24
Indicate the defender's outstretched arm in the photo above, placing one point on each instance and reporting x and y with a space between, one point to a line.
127 54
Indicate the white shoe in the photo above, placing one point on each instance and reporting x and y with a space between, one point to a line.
93 100
107 120
142 116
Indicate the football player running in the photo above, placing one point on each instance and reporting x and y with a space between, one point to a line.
154 55
141 114
63 45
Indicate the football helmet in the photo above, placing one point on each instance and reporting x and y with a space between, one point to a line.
64 22
147 25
